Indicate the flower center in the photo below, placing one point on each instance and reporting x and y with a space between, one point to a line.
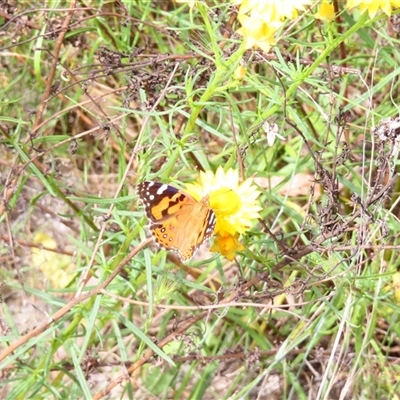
225 202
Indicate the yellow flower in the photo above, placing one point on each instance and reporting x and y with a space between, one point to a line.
396 286
227 245
326 11
257 32
239 73
373 6
260 19
56 267
247 5
234 204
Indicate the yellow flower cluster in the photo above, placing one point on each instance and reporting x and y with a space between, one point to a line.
260 19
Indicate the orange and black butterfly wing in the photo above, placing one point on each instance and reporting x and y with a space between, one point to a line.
198 233
178 222
160 200
186 231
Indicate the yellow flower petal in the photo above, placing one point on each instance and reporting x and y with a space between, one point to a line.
235 204
326 11
56 267
240 73
396 286
227 245
373 6
257 32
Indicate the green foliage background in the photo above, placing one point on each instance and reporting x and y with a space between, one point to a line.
104 95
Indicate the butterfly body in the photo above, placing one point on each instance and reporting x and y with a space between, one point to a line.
178 222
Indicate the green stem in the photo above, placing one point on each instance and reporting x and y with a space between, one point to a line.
223 72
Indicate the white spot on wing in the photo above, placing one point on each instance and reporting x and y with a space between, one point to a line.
162 189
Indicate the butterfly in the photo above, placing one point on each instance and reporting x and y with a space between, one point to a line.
178 222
